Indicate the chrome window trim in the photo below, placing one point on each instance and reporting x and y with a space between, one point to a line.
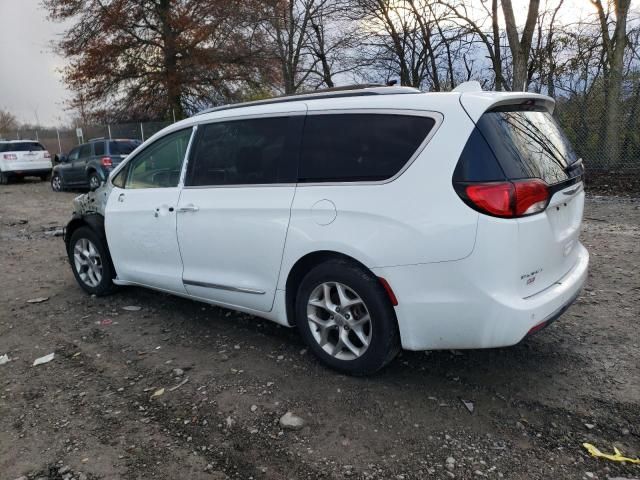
436 116
228 288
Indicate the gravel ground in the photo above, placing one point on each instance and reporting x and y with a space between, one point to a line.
96 412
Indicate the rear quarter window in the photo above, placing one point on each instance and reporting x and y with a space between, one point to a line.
359 147
122 147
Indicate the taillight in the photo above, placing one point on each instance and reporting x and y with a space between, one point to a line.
10 156
106 162
507 199
47 154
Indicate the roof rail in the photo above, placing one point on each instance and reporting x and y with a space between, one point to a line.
95 139
358 90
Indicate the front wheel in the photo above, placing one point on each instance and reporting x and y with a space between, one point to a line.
90 262
56 183
344 314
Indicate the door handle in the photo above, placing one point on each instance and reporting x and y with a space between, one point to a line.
121 197
188 208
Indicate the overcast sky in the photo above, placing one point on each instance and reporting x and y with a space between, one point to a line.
30 80
30 83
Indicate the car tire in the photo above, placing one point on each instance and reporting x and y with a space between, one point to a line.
94 181
90 262
344 315
56 183
45 177
4 178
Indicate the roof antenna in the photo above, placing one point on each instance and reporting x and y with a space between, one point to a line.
392 83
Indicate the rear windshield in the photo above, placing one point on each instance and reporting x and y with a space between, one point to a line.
21 147
528 144
122 147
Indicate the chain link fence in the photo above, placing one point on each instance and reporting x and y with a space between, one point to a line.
58 141
582 118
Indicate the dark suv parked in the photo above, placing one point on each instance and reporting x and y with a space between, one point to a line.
89 164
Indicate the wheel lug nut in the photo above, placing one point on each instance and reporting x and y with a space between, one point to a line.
338 309
331 317
347 316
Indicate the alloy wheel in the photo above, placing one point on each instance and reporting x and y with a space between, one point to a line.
339 321
94 182
56 183
88 262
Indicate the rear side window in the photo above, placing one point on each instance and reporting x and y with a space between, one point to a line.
85 151
528 144
122 147
243 152
98 148
359 147
21 147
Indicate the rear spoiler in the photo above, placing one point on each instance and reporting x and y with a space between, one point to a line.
477 103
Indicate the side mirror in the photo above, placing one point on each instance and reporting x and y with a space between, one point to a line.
60 159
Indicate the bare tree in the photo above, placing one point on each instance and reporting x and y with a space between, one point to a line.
520 45
8 121
613 48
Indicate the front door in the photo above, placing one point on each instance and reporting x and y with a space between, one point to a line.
140 216
234 210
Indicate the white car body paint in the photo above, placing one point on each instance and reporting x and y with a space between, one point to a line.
462 279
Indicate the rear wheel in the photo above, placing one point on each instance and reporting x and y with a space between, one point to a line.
344 315
56 182
90 262
94 181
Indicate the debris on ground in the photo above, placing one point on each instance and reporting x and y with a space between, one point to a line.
157 393
43 360
4 359
106 322
179 385
291 422
132 308
617 457
469 404
38 300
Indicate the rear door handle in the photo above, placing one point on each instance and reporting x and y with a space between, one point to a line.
188 208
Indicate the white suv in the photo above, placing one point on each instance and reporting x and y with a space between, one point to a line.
371 219
21 158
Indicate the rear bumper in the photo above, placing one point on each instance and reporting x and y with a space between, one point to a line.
443 306
26 168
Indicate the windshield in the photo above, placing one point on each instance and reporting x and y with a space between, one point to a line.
528 144
21 147
122 147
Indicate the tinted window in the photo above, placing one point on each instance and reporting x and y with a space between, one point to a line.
21 147
85 150
122 147
356 147
241 152
98 148
528 144
159 165
477 162
73 154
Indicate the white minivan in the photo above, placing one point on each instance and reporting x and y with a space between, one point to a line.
371 219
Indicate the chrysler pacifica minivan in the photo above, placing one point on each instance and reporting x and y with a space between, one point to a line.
371 219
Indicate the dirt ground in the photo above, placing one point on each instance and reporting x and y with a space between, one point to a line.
90 413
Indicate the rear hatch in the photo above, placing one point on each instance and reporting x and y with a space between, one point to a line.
119 149
24 153
520 152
